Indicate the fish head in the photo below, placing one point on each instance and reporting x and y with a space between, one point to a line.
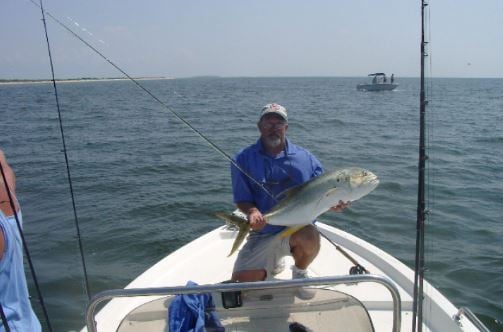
303 204
351 183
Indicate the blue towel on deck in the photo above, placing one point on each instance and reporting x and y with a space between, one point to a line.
187 313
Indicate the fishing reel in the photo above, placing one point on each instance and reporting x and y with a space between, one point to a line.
357 269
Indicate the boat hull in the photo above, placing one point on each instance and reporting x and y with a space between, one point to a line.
376 87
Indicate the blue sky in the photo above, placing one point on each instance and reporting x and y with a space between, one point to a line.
251 38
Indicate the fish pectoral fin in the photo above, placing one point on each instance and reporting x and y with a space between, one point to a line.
328 193
331 192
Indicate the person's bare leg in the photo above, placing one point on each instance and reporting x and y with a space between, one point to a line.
305 246
249 275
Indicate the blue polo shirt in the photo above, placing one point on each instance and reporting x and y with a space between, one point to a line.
290 168
13 289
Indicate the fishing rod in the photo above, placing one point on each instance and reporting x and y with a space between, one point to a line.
357 267
176 114
417 307
27 252
76 220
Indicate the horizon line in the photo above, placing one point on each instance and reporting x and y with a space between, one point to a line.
88 79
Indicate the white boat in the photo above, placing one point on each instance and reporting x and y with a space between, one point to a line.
379 83
381 300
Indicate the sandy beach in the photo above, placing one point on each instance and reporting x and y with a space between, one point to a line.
13 82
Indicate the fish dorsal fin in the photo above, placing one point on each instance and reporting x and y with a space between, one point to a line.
285 194
284 197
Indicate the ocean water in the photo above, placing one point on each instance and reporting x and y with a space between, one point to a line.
145 184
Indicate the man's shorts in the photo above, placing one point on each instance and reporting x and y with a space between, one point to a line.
262 252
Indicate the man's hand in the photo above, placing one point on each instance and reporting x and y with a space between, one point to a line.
340 206
256 219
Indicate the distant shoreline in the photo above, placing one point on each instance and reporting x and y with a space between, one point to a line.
111 79
80 80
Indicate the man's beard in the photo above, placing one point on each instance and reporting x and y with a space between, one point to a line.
273 141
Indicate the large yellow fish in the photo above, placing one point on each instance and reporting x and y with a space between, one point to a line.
302 204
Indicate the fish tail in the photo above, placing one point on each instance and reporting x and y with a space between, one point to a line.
240 223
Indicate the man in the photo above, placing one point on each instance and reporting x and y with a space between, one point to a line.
277 164
14 300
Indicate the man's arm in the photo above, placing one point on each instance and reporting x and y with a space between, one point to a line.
4 198
2 244
9 173
11 182
255 217
246 207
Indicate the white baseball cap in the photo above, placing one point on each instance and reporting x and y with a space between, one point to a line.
276 109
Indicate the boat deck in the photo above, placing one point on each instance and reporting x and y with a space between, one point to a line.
204 261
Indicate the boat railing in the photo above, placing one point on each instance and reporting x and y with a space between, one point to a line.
464 311
245 286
